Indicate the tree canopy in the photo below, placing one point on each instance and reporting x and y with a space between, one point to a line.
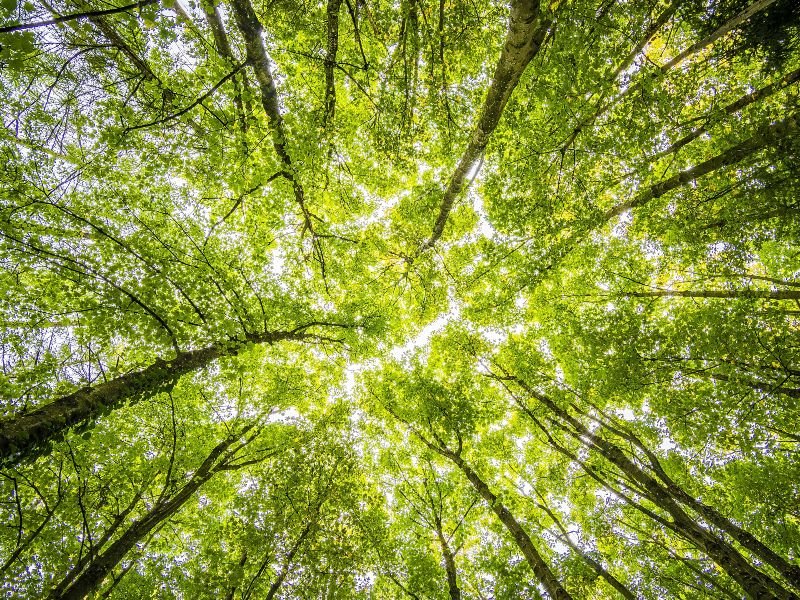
417 299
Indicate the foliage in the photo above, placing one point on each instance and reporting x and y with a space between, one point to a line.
413 299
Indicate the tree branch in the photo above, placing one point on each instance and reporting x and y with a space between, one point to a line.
76 16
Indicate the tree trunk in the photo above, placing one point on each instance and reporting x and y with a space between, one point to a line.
221 41
540 568
449 564
100 567
596 566
758 386
765 294
232 590
790 572
651 32
287 563
251 30
666 68
95 548
732 108
330 61
755 583
764 137
526 32
521 538
24 436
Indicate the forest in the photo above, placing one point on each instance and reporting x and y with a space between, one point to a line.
400 299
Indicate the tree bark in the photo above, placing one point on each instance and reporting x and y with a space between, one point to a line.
24 436
330 61
723 29
251 30
765 387
449 564
596 566
526 32
287 563
732 108
652 30
100 567
766 136
664 69
790 572
732 294
232 589
755 583
77 16
221 41
119 520
540 568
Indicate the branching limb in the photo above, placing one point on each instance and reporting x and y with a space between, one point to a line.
197 102
77 16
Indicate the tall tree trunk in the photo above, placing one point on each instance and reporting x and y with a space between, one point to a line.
596 566
221 41
765 294
23 437
526 32
287 563
754 582
330 61
604 106
790 572
94 574
758 386
540 568
119 520
75 17
766 136
730 109
232 588
449 563
251 30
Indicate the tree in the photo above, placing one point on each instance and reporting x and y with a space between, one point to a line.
428 299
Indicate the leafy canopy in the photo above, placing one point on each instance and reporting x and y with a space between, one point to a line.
416 299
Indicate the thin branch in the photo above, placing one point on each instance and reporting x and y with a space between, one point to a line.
76 16
200 100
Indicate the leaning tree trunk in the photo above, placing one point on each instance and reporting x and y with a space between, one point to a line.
287 563
790 572
24 436
94 574
607 103
330 62
754 582
730 109
252 30
765 137
540 568
526 32
731 294
449 563
596 566
523 541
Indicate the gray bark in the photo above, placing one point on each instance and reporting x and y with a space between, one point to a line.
526 32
